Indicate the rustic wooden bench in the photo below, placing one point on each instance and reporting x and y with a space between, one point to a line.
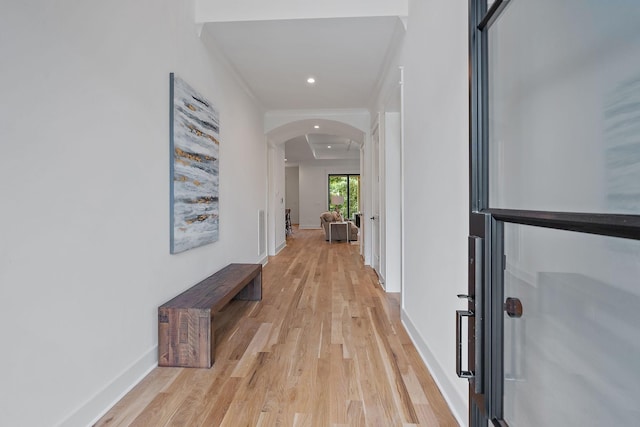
185 323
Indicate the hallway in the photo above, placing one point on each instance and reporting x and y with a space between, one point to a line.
325 347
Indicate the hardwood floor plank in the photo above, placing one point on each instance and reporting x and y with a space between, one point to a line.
303 420
216 410
204 392
129 407
324 347
427 416
413 386
241 337
167 402
390 357
355 412
258 344
430 389
267 419
187 409
338 386
320 405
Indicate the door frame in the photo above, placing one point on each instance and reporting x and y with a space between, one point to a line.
374 220
349 211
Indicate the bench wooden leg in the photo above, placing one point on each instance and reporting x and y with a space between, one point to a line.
212 342
185 335
253 290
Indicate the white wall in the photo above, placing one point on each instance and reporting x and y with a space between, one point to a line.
277 191
314 187
292 198
436 174
84 177
392 201
249 10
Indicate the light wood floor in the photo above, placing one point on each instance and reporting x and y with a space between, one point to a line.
324 347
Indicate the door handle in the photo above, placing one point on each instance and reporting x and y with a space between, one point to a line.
475 285
459 315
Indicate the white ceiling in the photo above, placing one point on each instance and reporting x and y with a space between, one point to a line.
331 147
314 146
346 56
297 150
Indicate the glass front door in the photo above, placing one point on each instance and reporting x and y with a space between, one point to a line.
555 196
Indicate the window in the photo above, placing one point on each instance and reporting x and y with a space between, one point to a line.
344 193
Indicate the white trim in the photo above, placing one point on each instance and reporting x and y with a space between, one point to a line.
210 42
395 45
457 405
281 247
314 112
264 261
105 399
402 187
259 10
382 281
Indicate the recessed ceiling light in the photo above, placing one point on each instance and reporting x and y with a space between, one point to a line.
316 127
328 146
311 80
285 160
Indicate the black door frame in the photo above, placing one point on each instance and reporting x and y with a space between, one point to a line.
348 201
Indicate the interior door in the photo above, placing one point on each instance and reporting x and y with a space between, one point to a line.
555 173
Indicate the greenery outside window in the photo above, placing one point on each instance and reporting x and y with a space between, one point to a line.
344 193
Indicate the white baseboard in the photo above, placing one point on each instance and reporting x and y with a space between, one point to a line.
104 400
281 247
264 261
457 405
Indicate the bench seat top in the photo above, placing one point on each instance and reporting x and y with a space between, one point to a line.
215 291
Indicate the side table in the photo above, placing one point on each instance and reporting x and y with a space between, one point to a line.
346 228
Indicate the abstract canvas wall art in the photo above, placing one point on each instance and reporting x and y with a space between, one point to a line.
195 143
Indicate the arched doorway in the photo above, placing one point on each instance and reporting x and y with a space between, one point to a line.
283 127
